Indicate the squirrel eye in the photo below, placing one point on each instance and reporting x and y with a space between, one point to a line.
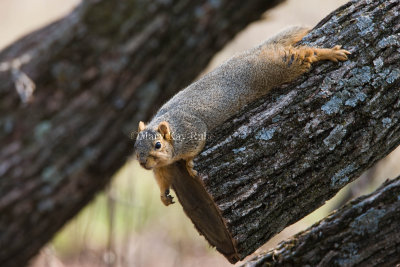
158 145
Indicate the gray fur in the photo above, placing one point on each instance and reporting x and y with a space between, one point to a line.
218 95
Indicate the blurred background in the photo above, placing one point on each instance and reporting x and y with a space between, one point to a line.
127 225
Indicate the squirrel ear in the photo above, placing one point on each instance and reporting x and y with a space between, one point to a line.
141 126
163 128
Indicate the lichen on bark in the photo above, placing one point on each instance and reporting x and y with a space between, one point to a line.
286 154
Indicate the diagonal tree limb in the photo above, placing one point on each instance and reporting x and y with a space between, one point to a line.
365 232
285 155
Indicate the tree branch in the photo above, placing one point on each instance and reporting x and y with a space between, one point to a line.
365 232
97 72
285 155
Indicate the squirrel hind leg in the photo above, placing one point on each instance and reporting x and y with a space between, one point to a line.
290 36
333 54
305 56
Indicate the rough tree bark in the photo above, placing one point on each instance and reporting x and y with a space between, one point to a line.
97 72
365 232
284 156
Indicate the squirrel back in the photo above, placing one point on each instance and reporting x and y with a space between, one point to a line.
221 93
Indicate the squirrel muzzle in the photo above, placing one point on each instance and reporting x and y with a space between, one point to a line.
146 161
144 165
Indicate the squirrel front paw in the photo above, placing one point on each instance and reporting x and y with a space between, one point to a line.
166 198
189 167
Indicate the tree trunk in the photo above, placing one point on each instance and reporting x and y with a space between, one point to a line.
365 232
285 155
96 73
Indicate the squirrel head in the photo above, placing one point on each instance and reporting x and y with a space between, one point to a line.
154 147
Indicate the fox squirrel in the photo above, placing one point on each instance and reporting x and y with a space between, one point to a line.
179 128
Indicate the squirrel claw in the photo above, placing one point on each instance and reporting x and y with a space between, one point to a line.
166 198
339 54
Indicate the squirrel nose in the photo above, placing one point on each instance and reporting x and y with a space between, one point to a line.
141 158
143 164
